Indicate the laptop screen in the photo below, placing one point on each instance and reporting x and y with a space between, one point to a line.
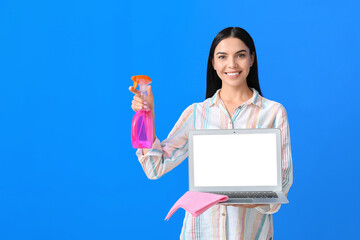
234 160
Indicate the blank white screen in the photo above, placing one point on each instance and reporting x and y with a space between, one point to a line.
235 160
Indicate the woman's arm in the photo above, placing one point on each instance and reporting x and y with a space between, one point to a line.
164 156
281 122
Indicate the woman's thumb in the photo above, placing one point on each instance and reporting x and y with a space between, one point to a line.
149 91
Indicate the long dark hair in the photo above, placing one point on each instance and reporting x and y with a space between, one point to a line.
213 82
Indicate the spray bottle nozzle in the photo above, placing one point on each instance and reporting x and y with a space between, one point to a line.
140 79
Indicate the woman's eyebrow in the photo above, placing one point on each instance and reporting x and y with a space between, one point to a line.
243 50
240 51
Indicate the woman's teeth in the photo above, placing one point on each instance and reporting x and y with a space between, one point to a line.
233 74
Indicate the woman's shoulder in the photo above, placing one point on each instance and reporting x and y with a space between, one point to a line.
273 108
207 102
201 106
267 103
196 105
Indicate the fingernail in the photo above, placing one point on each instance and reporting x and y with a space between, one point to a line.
146 107
145 102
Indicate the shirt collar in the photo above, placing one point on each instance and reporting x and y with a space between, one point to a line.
256 99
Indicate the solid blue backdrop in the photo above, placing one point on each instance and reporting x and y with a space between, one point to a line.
67 168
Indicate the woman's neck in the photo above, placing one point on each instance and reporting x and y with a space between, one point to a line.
234 95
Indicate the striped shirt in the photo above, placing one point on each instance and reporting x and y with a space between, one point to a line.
220 221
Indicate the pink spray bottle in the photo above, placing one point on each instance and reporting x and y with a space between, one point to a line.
142 128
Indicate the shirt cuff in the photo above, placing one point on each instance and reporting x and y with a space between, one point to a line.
155 150
269 208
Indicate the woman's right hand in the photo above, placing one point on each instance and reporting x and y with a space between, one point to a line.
139 103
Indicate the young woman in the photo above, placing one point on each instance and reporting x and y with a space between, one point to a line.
233 100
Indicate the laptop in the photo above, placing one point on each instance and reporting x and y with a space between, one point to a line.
244 164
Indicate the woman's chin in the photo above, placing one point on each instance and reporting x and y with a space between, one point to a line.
234 83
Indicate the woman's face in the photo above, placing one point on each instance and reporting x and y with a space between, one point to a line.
232 61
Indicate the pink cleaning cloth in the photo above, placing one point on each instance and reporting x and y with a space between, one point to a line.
196 202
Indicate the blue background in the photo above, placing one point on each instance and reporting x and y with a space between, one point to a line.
67 167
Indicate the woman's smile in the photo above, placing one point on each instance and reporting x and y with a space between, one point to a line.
233 74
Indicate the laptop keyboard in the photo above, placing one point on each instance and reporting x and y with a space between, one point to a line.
248 194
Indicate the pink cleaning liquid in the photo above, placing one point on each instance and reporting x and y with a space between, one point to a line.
142 129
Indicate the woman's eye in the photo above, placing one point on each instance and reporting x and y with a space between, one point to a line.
241 55
221 57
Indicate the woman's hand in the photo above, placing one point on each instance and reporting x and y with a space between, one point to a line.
139 103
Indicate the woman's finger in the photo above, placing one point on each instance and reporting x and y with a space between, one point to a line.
136 104
134 90
149 91
138 99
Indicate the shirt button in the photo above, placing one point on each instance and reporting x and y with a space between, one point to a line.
224 214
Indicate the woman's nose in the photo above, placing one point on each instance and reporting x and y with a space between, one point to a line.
232 63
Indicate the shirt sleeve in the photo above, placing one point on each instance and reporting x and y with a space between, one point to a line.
166 155
281 122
